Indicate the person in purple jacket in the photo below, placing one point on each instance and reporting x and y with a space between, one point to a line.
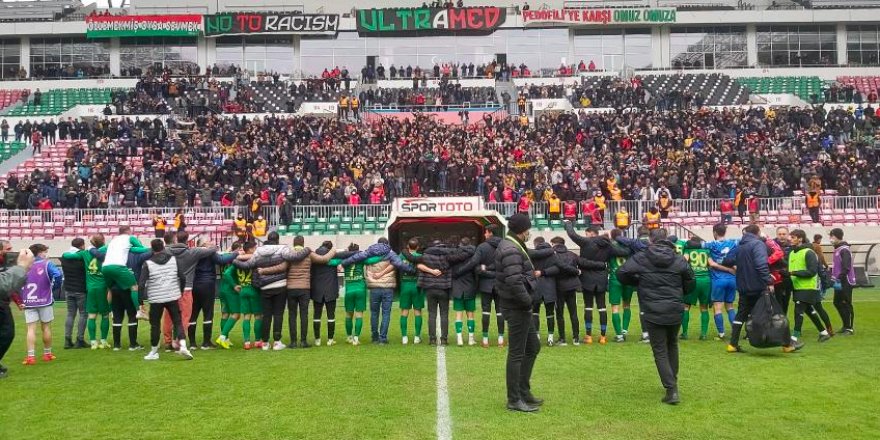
36 298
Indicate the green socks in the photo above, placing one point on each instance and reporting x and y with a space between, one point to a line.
627 317
403 325
418 325
258 329
134 298
349 324
246 329
704 322
458 326
615 321
90 324
223 322
358 326
105 326
228 323
471 326
685 320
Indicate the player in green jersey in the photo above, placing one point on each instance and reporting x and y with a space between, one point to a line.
618 293
96 296
698 258
355 294
223 294
411 297
237 296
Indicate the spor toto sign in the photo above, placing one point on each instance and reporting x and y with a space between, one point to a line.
437 205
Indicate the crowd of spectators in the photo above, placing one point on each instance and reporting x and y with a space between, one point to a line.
447 94
292 161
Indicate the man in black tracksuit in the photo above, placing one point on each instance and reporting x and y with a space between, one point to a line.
547 267
595 252
435 277
567 285
517 290
662 278
483 262
205 295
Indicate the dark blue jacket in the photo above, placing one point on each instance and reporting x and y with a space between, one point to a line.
206 268
752 271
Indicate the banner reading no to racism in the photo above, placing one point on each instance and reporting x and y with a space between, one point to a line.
143 26
251 23
413 21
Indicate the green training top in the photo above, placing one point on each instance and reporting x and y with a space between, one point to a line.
698 258
94 277
614 263
234 276
355 280
410 277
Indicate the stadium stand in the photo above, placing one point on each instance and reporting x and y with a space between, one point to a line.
9 149
11 97
867 85
56 101
802 86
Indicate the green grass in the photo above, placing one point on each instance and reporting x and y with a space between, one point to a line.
825 391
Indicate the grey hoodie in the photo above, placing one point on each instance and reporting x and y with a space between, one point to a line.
187 259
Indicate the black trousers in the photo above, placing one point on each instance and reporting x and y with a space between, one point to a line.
486 299
7 330
204 296
598 297
523 348
122 306
298 302
156 311
331 318
747 301
273 301
664 344
814 311
567 300
438 302
782 291
843 304
550 310
814 215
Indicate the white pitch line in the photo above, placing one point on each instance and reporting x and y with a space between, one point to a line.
444 420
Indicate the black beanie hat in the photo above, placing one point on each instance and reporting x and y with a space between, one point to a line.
519 223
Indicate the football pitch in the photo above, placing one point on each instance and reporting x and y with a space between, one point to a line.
827 390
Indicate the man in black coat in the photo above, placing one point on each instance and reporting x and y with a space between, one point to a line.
595 252
662 278
517 289
547 267
435 278
483 263
567 285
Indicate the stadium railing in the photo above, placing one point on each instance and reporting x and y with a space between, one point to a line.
776 206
